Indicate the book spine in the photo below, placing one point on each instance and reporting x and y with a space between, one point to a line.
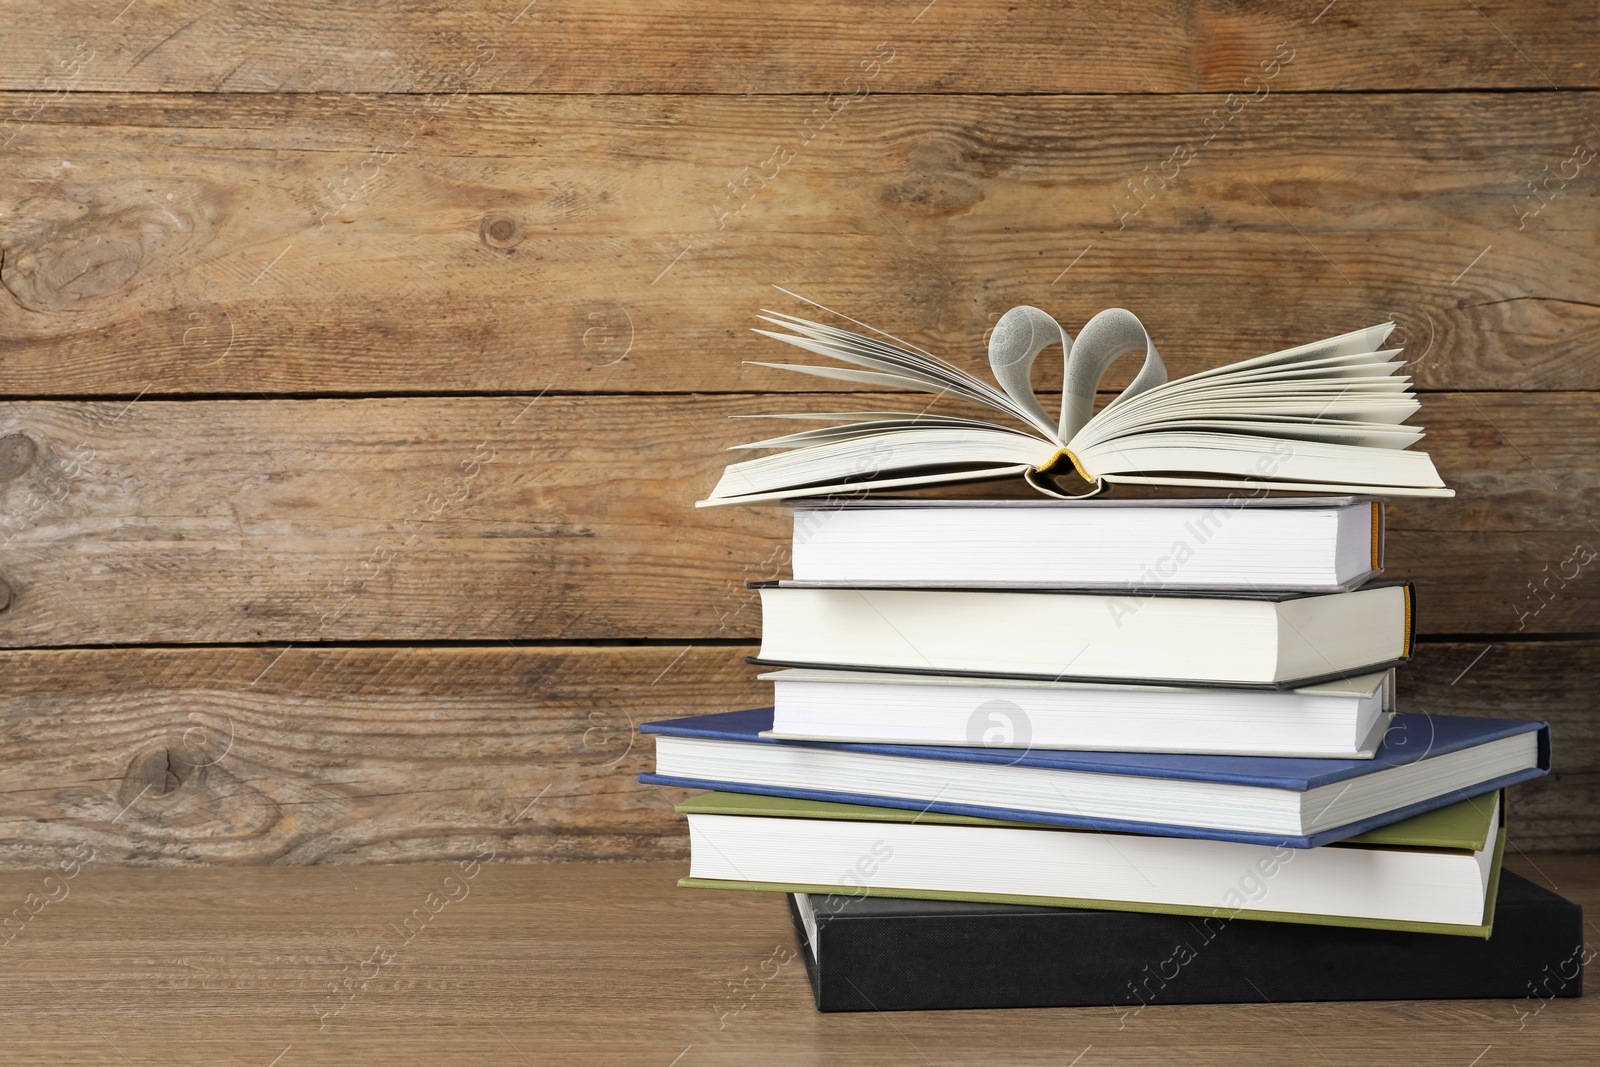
1070 958
1379 529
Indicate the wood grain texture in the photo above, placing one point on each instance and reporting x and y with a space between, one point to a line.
369 755
529 518
246 244
523 245
607 964
1548 681
731 48
242 756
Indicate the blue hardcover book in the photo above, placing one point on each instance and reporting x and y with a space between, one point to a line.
1425 762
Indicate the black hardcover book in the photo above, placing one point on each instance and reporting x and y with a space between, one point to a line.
887 954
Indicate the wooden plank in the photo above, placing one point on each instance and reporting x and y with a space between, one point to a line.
243 244
531 518
337 755
308 755
605 964
1551 681
729 48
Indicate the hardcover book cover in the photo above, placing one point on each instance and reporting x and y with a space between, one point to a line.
1119 604
1411 737
1463 826
885 954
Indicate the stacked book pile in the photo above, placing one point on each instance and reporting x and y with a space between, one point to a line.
1029 753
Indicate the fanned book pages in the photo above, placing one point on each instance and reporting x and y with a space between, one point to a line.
1325 417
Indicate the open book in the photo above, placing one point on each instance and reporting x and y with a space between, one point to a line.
1324 417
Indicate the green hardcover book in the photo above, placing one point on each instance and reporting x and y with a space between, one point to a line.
1434 873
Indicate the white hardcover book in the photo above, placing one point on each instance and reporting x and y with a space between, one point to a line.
1304 544
1345 718
1284 641
1354 882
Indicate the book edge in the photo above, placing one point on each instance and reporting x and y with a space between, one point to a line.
1481 931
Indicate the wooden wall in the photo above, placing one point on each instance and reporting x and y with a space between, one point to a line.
359 365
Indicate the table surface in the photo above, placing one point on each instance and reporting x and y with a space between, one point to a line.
600 963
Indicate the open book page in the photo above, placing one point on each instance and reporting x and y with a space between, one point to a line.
1323 417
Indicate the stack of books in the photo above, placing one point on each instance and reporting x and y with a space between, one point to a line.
1031 753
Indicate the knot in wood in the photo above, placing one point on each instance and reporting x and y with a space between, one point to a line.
500 231
60 263
943 177
156 772
17 453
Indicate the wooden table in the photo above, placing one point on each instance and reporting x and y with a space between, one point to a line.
602 963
